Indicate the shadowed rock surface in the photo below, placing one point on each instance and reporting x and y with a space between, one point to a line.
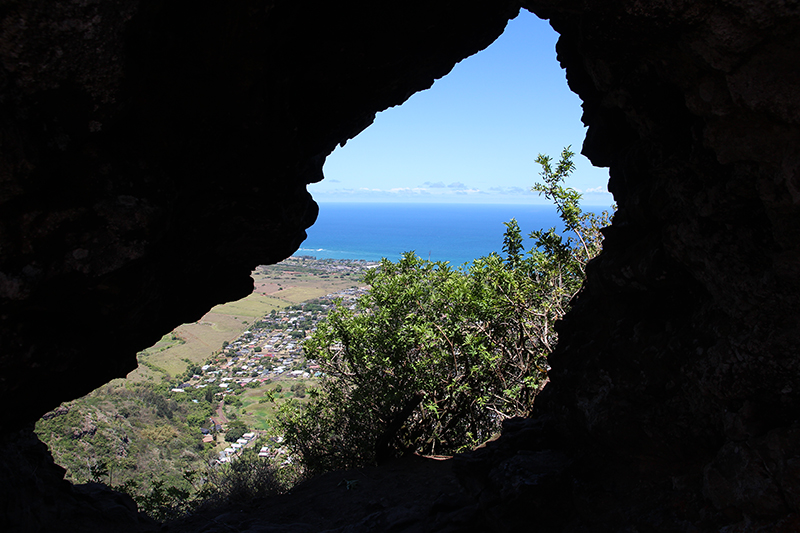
152 153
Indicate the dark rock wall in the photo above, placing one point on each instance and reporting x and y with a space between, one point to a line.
152 153
35 496
676 380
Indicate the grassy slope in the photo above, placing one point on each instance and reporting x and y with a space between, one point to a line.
252 306
259 414
296 287
276 287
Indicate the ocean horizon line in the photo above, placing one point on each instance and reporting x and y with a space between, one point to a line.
457 233
455 204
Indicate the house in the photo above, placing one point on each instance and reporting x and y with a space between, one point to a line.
208 438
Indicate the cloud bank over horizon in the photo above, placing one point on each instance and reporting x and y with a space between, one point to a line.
456 192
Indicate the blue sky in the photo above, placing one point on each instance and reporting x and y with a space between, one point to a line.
473 137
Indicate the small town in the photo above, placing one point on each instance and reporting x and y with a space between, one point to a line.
208 393
270 350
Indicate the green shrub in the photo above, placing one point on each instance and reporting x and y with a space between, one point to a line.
433 359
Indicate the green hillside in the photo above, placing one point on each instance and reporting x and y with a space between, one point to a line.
213 379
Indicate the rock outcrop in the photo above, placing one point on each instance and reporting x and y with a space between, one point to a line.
677 365
152 153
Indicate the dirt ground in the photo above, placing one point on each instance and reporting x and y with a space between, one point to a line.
413 494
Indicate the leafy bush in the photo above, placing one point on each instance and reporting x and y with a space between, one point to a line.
433 359
247 478
231 399
235 431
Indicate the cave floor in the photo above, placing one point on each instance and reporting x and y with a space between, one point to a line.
410 494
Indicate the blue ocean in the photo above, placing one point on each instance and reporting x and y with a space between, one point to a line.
457 233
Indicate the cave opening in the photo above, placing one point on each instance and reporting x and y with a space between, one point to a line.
468 141
134 133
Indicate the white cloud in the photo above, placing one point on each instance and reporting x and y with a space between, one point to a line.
406 190
433 192
511 190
